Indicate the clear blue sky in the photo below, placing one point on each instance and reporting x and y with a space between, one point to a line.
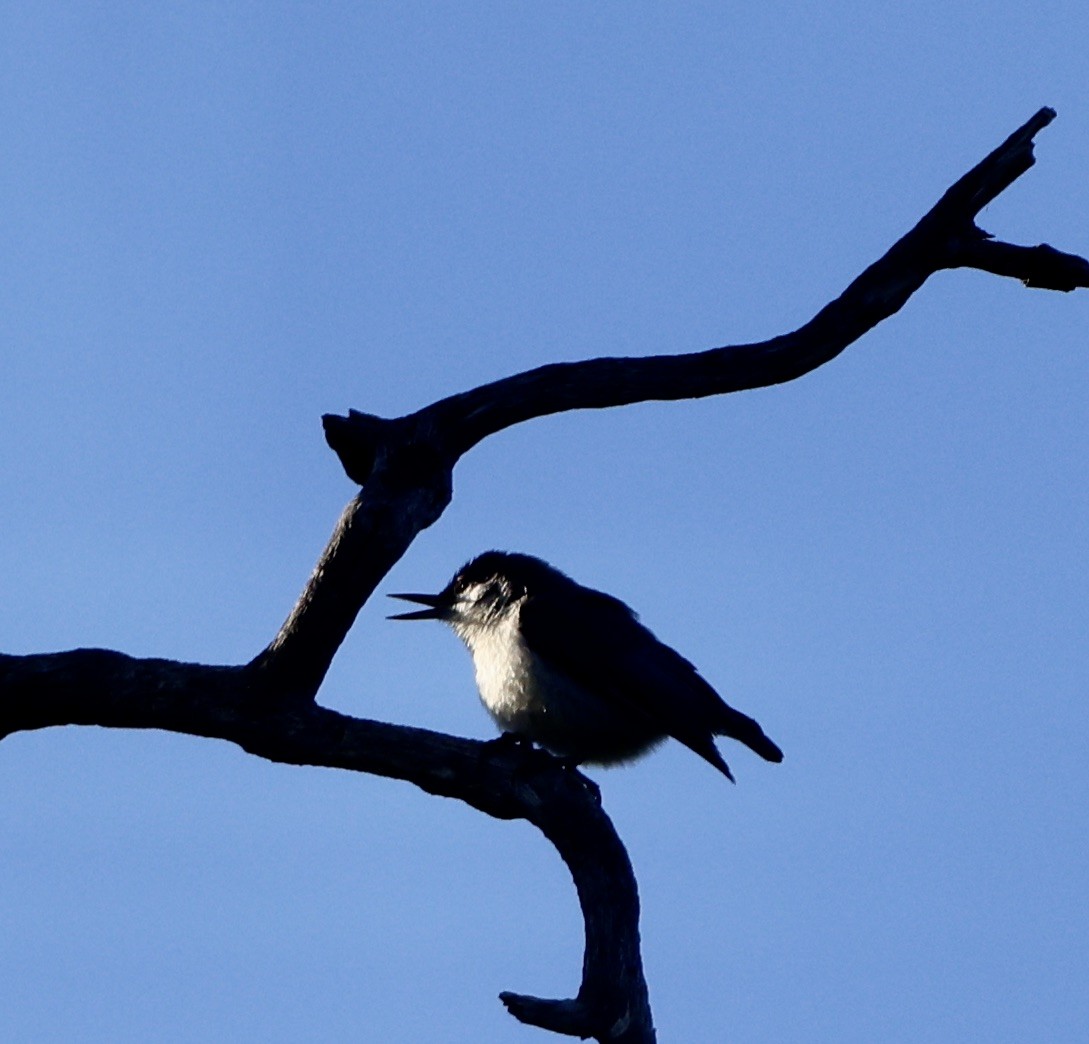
221 220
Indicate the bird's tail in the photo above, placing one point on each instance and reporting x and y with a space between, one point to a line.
742 728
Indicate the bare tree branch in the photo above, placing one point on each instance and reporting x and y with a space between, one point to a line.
946 237
405 466
102 687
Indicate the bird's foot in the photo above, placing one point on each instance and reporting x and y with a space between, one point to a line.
572 765
509 741
534 758
537 759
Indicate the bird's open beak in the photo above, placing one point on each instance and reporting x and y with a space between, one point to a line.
439 607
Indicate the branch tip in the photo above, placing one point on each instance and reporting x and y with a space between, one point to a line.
569 1017
355 440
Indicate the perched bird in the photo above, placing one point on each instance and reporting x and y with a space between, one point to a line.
573 670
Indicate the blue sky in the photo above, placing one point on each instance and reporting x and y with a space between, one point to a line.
223 220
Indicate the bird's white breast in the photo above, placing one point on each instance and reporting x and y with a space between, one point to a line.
506 672
528 697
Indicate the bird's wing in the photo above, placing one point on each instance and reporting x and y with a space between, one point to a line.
598 641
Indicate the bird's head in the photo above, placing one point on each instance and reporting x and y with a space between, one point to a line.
482 591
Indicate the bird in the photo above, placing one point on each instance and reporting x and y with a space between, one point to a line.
572 669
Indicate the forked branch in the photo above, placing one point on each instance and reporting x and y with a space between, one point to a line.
405 467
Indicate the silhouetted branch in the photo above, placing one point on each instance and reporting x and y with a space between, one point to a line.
405 467
102 687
